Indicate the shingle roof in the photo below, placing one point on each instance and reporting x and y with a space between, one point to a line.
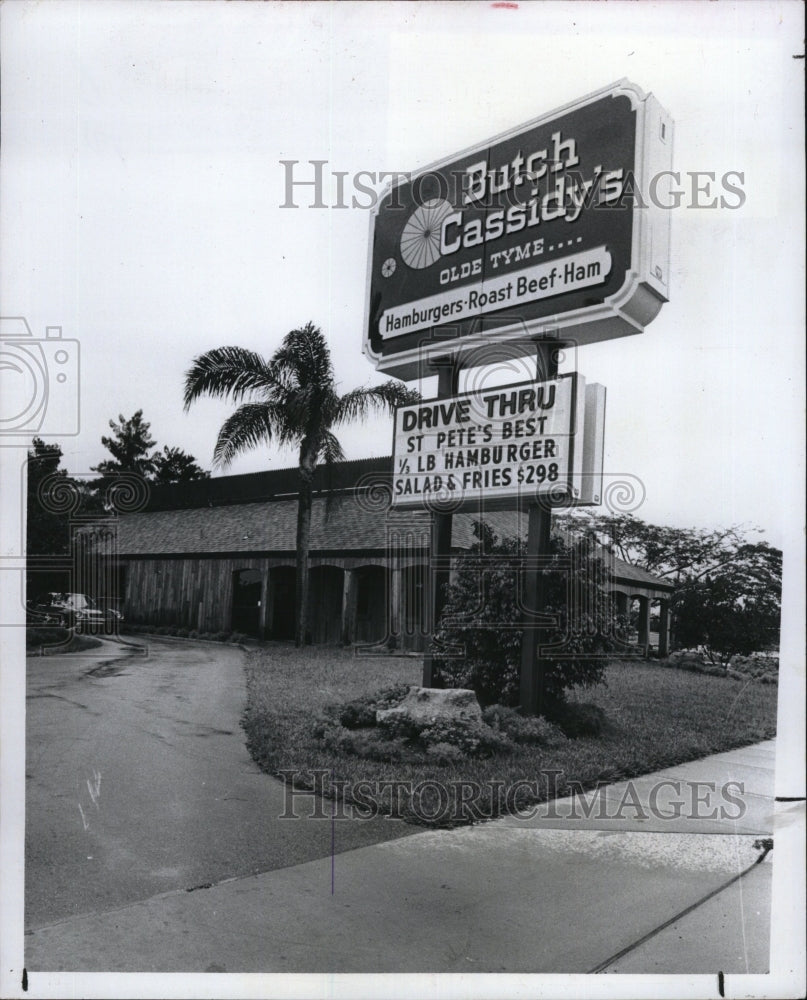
269 526
349 523
635 574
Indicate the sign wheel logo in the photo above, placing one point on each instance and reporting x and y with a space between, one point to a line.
420 239
388 267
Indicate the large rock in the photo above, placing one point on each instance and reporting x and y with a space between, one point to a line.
423 706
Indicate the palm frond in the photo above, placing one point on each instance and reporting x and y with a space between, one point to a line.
359 403
229 372
304 357
331 449
252 424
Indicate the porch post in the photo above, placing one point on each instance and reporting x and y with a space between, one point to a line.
395 611
348 606
664 628
644 624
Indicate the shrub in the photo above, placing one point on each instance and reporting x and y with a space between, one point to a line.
755 665
357 714
362 711
400 727
368 744
474 739
193 634
523 729
579 719
487 642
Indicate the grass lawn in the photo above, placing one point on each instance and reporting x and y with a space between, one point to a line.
656 717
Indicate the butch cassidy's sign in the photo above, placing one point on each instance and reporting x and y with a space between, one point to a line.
510 444
551 226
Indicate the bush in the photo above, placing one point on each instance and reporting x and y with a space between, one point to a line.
756 665
368 744
400 727
353 728
523 729
579 719
362 711
473 739
357 714
487 643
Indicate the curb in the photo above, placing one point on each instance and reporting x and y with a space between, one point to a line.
206 642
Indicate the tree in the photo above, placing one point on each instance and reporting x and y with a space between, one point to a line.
129 447
728 589
735 610
173 465
46 532
289 399
670 553
481 622
53 497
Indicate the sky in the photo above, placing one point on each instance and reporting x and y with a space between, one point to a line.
142 187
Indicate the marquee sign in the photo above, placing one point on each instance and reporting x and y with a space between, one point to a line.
501 447
557 225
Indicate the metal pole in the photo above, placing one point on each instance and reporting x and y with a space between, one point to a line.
539 535
448 370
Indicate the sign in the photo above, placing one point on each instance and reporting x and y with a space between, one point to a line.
503 447
556 226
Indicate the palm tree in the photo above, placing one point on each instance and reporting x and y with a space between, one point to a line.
291 399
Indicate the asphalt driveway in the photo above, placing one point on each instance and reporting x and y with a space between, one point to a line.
139 782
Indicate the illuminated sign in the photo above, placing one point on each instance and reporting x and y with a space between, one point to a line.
501 447
556 226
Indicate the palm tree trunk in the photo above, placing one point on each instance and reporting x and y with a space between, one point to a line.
307 466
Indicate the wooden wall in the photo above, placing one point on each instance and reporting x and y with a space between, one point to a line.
197 593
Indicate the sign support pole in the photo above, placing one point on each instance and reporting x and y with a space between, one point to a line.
531 687
448 370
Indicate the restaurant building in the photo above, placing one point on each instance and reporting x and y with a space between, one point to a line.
219 555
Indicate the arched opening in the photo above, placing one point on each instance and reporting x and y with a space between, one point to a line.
282 617
246 611
325 586
371 604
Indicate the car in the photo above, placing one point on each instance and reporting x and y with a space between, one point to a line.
76 611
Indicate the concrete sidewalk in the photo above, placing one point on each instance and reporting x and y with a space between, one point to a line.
522 894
